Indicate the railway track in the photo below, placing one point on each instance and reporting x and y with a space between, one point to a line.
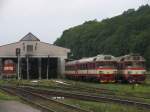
44 102
89 97
74 88
96 91
107 92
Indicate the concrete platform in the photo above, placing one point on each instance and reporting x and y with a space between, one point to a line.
15 106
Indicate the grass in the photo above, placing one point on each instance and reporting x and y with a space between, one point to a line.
138 90
103 107
142 90
5 96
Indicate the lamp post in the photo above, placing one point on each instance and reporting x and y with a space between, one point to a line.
47 68
39 61
18 56
27 59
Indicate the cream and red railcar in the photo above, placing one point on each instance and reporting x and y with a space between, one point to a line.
131 68
9 69
102 68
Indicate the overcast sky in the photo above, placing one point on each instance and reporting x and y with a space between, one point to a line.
47 19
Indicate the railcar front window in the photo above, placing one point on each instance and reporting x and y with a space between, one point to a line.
138 64
107 64
135 64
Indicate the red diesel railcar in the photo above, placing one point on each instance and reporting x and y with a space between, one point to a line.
102 68
131 68
9 68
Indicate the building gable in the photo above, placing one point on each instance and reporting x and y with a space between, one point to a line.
30 37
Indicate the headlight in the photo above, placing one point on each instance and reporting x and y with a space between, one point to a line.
143 72
129 72
100 72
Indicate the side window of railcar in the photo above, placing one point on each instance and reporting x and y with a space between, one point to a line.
72 67
85 66
67 67
91 65
80 66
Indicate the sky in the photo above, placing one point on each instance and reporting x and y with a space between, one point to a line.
47 19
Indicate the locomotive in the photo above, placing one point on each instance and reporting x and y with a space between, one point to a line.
131 68
9 69
102 68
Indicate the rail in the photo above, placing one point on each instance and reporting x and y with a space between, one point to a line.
44 102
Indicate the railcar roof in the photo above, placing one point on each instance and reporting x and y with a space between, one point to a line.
130 57
95 59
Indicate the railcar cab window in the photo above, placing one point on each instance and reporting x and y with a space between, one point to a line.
135 64
128 64
136 58
107 64
8 62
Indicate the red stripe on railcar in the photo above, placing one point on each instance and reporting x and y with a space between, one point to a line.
105 69
135 69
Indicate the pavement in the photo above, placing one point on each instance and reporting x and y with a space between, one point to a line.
16 106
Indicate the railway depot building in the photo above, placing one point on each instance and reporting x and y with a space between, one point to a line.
32 59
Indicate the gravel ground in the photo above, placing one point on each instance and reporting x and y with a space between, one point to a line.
14 106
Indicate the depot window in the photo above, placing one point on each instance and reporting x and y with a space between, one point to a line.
29 48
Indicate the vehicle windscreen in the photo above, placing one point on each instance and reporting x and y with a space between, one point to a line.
107 64
135 64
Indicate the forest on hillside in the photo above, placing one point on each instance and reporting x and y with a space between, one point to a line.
123 34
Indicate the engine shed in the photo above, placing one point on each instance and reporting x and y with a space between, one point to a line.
30 58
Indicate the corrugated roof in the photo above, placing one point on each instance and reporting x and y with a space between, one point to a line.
30 37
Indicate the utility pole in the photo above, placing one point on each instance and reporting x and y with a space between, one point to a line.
0 68
18 67
27 57
39 63
48 67
20 60
18 55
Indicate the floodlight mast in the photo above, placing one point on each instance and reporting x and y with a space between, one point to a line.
18 50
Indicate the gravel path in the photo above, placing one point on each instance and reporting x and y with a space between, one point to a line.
14 106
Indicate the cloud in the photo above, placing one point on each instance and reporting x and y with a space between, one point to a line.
2 3
48 18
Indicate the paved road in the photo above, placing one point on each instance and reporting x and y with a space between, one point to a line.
14 106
